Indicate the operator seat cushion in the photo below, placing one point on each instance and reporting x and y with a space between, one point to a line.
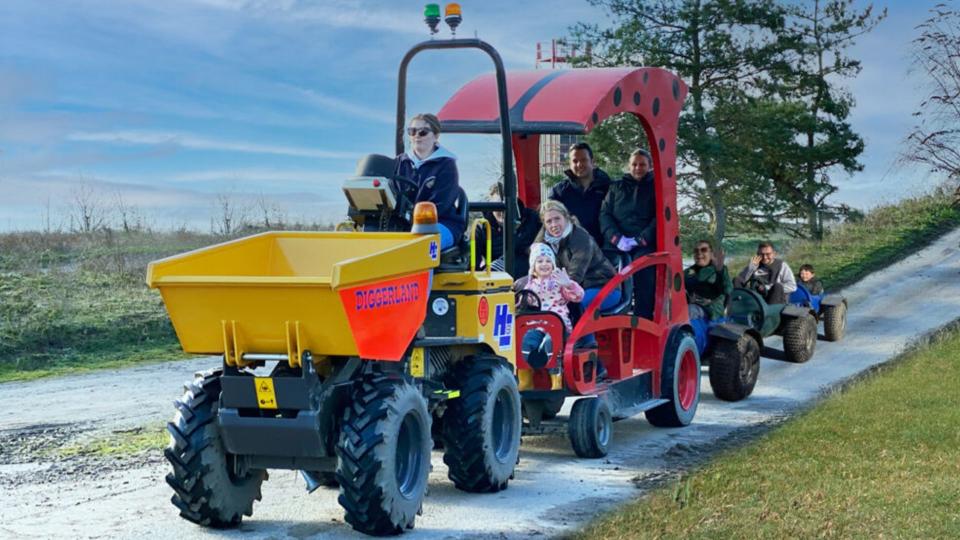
457 256
626 288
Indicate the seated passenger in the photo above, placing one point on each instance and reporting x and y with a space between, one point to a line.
551 284
628 220
434 170
707 283
768 275
525 233
809 280
577 253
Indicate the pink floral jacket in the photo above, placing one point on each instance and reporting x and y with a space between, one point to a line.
555 298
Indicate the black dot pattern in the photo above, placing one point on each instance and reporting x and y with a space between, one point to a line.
646 77
636 98
595 118
669 172
677 281
676 89
676 240
667 213
656 106
617 96
662 144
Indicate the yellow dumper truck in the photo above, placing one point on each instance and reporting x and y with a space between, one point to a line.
346 355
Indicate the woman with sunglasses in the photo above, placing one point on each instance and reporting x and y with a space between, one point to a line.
708 283
433 169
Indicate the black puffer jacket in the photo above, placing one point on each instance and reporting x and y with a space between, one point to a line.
580 256
438 182
630 210
525 233
584 203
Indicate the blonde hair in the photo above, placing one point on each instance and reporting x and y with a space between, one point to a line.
431 120
555 206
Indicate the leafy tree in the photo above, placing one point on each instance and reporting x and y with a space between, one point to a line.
720 48
935 141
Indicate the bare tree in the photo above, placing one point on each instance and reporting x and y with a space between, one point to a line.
229 215
87 211
271 214
131 219
935 141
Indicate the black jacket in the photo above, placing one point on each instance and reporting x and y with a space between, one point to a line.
439 183
525 233
584 203
580 256
629 210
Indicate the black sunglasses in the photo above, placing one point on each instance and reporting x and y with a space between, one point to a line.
411 131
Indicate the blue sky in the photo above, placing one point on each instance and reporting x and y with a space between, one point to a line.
169 104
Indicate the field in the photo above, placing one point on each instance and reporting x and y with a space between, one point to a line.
877 460
71 302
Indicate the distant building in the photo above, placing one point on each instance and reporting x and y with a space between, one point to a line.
554 148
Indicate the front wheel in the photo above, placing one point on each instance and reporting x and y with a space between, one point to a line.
591 428
384 455
679 383
800 338
834 321
481 428
734 367
208 488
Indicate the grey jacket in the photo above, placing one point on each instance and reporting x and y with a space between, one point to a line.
784 277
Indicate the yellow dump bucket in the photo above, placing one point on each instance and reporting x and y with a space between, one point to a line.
330 293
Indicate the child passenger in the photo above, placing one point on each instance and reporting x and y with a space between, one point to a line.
809 280
552 285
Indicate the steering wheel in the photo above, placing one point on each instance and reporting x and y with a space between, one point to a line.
526 300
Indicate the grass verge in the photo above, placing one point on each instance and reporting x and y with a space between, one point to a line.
879 459
121 443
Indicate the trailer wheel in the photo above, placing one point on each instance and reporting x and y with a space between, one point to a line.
799 338
834 321
384 455
207 488
679 383
734 366
482 427
591 428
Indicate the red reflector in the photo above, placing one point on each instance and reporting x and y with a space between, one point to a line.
376 183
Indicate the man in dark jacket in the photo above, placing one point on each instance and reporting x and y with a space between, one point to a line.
628 220
525 233
583 190
707 283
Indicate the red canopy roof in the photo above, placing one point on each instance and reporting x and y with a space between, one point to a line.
565 101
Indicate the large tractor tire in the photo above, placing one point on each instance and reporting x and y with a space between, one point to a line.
384 455
206 488
590 428
734 367
679 383
481 428
799 338
834 321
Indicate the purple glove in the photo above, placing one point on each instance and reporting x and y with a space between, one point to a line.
626 244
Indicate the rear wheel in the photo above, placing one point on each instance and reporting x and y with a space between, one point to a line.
799 338
208 488
590 428
481 428
679 383
734 366
384 455
834 321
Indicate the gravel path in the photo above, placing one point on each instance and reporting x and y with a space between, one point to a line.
89 497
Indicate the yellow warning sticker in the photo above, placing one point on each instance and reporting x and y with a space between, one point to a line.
416 362
266 398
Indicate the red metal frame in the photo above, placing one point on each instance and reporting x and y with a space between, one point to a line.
575 101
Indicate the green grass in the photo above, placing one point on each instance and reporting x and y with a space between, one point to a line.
880 459
120 443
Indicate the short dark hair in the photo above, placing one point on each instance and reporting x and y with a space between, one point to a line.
581 146
765 244
644 153
706 241
806 267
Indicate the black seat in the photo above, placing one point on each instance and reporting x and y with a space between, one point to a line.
626 288
456 258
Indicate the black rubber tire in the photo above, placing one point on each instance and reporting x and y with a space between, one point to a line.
205 488
590 428
482 427
734 367
799 338
384 455
676 413
551 408
834 321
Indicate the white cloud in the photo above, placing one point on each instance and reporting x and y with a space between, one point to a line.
195 142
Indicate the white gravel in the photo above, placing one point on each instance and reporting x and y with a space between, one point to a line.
553 491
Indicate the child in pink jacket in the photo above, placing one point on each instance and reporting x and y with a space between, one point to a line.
552 285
